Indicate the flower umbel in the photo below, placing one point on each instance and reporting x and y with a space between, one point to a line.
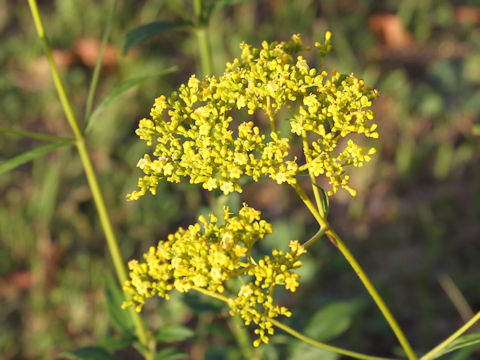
206 255
196 136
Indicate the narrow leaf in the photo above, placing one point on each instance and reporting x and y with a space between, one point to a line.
119 317
89 353
29 156
461 342
169 333
146 31
116 92
98 64
33 135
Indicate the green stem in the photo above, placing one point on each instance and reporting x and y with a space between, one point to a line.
308 158
205 56
320 345
335 239
179 11
373 293
91 176
98 66
432 353
201 31
320 219
315 238
296 334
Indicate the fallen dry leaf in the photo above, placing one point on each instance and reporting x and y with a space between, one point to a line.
391 30
87 49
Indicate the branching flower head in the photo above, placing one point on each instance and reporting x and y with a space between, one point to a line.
207 254
197 138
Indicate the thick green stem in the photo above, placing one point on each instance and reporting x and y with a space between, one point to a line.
91 176
373 293
432 353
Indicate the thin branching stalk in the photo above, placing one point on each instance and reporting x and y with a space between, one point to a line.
91 177
320 345
373 293
432 353
335 239
296 334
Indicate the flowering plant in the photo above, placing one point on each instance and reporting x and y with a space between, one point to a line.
197 138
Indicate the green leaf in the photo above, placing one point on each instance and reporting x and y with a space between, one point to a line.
119 317
89 353
325 200
113 343
33 135
170 353
29 156
303 351
146 31
116 92
332 320
326 324
461 342
169 333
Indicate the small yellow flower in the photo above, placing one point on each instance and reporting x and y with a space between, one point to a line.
196 138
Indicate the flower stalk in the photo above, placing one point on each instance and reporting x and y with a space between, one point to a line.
91 178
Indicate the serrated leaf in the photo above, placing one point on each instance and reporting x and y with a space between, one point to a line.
116 92
89 353
119 317
461 342
169 333
29 156
332 320
170 353
146 31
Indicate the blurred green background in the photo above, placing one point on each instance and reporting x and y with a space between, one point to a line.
414 222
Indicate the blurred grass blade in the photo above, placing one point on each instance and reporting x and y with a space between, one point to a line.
29 156
116 92
119 317
33 135
217 5
461 342
146 31
89 353
98 65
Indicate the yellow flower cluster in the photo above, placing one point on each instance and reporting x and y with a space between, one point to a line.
196 136
207 254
